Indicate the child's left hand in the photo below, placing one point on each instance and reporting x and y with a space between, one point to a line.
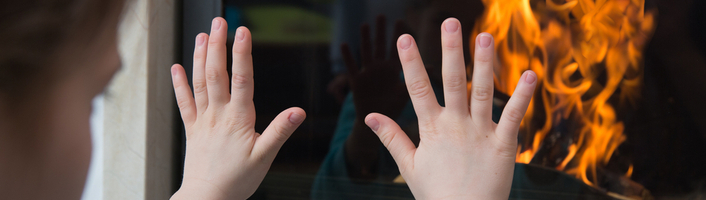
225 157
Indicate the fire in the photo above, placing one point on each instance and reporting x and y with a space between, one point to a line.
588 57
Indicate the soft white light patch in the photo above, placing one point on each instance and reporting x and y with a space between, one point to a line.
94 183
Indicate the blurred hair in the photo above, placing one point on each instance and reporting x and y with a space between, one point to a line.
33 31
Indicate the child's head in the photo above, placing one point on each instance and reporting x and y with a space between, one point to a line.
41 37
55 56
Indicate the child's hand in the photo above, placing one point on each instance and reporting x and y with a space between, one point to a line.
225 157
462 153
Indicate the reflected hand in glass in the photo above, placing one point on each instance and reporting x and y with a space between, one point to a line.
462 153
376 87
225 157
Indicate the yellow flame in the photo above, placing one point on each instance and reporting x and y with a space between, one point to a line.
584 52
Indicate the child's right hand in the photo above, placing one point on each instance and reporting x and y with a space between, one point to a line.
462 153
225 157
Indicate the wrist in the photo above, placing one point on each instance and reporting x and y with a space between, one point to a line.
465 194
198 189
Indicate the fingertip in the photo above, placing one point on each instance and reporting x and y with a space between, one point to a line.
404 42
296 118
530 77
484 40
375 116
200 39
370 115
241 44
298 111
486 34
372 122
175 69
451 19
451 25
217 23
203 36
241 33
484 49
296 115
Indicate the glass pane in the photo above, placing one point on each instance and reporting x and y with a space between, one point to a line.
618 112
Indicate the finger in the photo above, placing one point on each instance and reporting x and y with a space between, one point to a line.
366 51
453 68
216 74
482 87
242 82
182 91
279 130
380 26
395 140
199 79
416 79
517 106
348 60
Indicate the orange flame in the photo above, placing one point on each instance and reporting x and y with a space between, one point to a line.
587 55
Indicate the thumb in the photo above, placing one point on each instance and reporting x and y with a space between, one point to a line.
279 130
391 135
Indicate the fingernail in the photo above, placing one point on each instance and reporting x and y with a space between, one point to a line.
174 71
200 40
405 42
451 26
485 40
373 124
216 24
531 77
239 35
296 118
